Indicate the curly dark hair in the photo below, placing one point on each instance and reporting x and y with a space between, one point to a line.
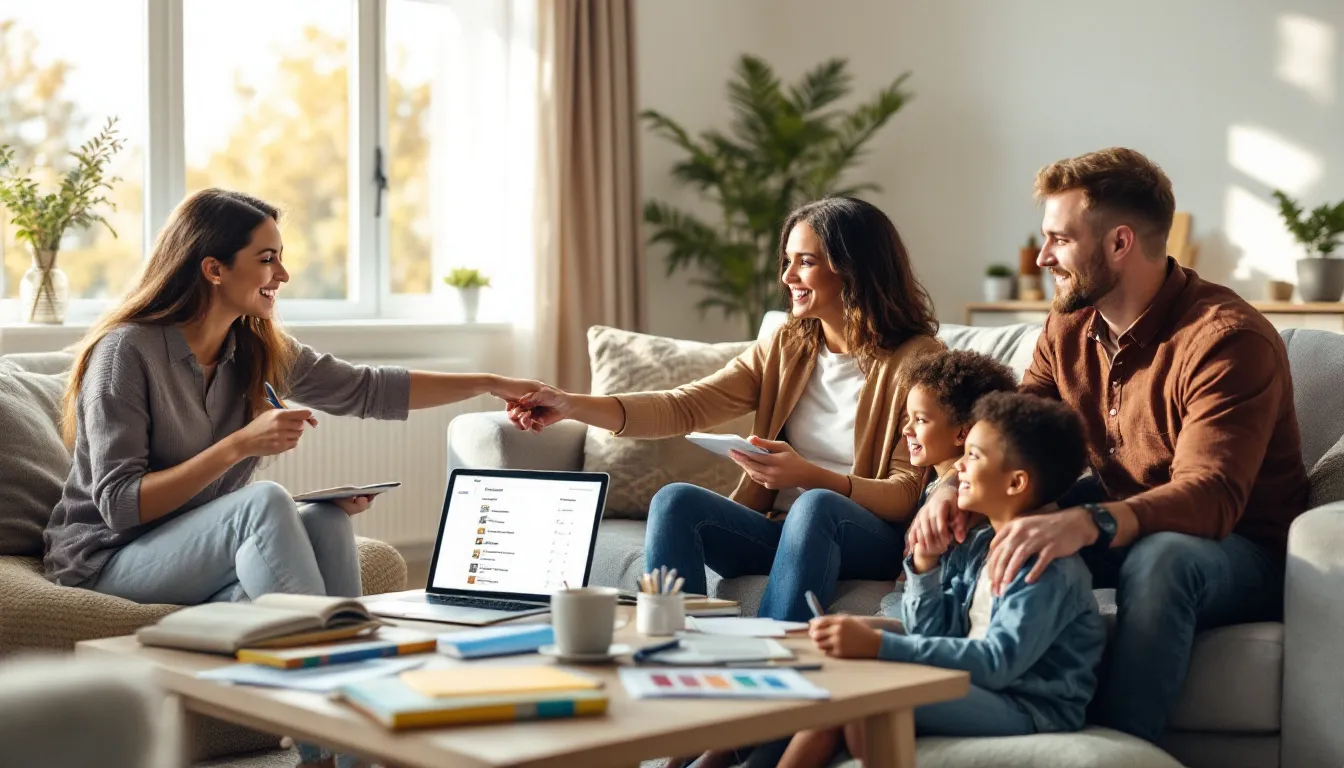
885 305
958 377
1044 437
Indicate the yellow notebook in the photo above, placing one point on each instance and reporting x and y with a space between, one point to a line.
494 681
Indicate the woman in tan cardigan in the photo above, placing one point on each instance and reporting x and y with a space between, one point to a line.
832 497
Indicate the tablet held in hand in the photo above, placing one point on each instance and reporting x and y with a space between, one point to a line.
722 444
346 492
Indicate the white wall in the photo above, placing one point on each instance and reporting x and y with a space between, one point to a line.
1232 97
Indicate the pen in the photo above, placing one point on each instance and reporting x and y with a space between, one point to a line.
813 604
278 403
274 398
643 654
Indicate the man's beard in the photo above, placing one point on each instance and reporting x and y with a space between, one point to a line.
1087 285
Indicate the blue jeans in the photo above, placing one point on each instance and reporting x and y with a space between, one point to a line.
1168 587
824 538
979 713
238 547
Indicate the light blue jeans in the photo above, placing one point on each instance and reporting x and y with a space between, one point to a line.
826 537
238 547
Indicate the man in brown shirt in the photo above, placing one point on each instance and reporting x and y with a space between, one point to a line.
1192 436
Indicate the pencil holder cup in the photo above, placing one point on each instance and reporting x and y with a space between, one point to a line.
660 614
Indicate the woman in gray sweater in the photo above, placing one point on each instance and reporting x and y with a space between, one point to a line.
168 417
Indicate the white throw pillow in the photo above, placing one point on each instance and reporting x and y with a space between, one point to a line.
624 361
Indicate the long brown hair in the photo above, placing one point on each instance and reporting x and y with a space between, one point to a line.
172 290
885 305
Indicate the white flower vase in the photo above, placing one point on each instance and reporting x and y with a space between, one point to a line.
998 288
44 290
471 303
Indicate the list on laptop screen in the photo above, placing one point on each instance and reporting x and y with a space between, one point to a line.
516 534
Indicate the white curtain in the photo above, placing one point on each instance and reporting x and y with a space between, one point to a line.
484 167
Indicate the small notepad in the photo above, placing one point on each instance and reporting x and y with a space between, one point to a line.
495 681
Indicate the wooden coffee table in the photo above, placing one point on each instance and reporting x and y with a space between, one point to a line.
881 693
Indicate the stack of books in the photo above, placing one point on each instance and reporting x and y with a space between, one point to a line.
461 694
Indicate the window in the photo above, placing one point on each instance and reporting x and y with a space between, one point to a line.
59 82
388 132
267 112
415 47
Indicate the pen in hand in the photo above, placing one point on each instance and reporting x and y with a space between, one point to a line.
813 604
275 400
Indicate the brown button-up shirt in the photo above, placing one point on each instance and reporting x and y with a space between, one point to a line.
1192 421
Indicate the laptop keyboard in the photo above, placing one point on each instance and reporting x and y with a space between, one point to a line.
483 602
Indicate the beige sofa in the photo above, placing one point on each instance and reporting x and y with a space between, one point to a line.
1257 695
38 615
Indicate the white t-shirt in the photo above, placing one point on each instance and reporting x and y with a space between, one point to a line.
982 602
821 427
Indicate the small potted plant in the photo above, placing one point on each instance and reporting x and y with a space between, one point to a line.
1319 277
41 220
468 283
998 283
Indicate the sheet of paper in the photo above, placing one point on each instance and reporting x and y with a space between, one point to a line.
742 627
705 650
317 679
718 683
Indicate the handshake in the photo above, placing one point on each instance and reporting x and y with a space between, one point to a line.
531 405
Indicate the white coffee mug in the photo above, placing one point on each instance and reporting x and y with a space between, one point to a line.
662 614
583 619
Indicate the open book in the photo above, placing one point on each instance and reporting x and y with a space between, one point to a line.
273 621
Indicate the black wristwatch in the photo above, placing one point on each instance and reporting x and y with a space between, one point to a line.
1105 523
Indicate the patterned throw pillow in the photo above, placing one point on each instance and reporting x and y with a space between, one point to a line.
624 361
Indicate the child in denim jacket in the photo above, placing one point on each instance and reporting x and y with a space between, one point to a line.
1032 650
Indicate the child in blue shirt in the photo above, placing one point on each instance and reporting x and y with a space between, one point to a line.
1032 650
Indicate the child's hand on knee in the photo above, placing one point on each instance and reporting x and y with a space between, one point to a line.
845 637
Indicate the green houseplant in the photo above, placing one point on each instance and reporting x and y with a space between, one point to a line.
786 145
999 283
468 283
1319 277
41 220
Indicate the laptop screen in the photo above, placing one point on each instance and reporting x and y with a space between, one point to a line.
517 533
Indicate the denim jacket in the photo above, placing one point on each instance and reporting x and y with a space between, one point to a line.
1044 640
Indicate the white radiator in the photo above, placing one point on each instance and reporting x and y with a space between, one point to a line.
344 450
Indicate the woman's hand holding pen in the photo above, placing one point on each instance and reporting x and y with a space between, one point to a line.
274 431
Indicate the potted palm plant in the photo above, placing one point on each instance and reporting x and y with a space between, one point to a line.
41 220
786 145
1319 276
468 283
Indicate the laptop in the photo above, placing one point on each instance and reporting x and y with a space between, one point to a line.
507 540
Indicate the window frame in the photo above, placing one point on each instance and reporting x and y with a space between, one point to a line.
370 293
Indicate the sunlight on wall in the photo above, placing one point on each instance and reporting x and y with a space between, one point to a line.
1253 226
1272 159
1306 56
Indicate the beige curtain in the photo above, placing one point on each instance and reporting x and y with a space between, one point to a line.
590 246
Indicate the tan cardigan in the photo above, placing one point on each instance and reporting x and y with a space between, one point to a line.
769 378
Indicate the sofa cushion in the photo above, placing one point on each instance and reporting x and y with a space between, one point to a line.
624 361
40 362
1314 359
34 464
1011 345
1235 682
1327 477
1091 747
